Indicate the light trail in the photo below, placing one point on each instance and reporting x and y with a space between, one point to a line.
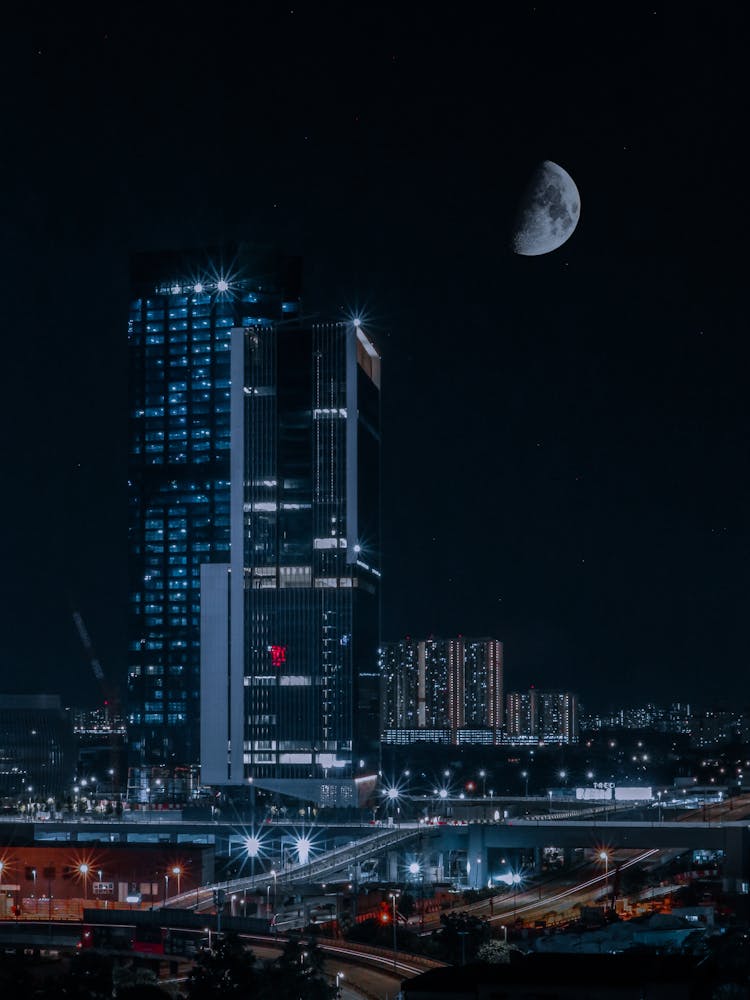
580 887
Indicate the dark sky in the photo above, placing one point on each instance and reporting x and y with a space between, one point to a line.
565 437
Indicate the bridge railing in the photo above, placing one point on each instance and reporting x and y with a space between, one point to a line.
327 863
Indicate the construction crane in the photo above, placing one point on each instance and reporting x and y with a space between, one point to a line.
109 695
94 661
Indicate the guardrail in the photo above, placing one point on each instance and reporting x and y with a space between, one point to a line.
326 864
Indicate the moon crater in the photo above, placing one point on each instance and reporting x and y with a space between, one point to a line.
548 213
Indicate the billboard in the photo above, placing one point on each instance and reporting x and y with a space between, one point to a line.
624 793
591 794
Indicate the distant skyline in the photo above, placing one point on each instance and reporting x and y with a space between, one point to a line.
565 457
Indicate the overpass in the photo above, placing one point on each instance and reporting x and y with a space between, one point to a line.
344 844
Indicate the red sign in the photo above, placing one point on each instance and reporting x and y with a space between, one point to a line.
278 655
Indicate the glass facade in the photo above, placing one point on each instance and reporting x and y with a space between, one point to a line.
303 595
182 312
37 752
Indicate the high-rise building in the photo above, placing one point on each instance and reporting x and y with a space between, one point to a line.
290 623
548 716
449 690
182 312
254 529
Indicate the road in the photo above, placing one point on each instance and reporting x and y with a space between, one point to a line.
358 981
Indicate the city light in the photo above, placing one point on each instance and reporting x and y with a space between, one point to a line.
302 847
253 846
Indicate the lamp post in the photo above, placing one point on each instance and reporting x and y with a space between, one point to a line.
516 882
177 872
339 977
483 776
462 935
395 943
604 856
208 931
166 887
525 776
83 870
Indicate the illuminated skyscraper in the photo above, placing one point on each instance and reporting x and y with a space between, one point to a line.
448 690
254 527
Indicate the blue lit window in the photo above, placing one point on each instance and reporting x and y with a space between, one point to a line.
150 448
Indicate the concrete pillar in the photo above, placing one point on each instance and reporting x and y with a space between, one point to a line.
477 856
392 871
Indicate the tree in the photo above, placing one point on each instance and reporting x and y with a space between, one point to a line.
297 974
496 952
226 970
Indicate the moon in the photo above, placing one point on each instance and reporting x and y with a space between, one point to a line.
548 213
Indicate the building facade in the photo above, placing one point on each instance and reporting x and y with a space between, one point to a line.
182 312
254 525
290 623
541 716
447 690
37 753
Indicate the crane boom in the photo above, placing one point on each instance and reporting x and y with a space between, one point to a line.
88 647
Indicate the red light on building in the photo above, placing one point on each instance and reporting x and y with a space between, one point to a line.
278 656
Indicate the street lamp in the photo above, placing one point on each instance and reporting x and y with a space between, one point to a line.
83 870
339 977
273 872
208 931
177 871
604 856
395 944
517 879
483 776
525 776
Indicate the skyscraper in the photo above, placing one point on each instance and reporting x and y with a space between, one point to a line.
533 716
182 311
254 528
448 690
290 622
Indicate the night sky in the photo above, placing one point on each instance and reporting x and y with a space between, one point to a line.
565 457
